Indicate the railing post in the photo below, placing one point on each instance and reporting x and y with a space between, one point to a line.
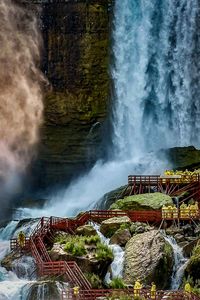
51 222
42 222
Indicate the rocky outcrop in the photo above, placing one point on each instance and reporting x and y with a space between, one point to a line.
88 263
120 237
86 230
150 258
184 157
150 201
110 226
75 61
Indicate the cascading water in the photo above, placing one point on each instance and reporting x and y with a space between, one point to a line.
180 263
155 75
118 262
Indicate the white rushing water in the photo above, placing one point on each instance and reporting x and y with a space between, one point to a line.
117 264
180 263
10 284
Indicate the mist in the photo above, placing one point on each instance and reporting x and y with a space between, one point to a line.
21 105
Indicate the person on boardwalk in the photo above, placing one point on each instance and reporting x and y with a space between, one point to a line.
175 212
153 291
182 210
76 292
164 211
188 289
137 288
21 239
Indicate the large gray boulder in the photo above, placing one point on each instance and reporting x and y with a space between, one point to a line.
150 258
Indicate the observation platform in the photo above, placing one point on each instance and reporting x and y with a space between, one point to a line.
172 185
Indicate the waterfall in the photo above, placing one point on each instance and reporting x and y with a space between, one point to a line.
155 75
180 263
117 264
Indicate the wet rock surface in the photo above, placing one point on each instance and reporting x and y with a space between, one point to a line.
110 226
150 258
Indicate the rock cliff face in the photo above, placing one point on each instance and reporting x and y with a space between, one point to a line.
75 61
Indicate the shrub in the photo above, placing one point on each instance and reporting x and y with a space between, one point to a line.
117 283
95 280
94 239
103 252
75 246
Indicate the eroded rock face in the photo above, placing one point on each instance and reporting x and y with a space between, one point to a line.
110 226
150 258
75 61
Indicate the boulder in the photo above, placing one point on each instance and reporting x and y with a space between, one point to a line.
149 201
179 238
86 230
150 258
184 157
139 227
188 248
120 237
110 226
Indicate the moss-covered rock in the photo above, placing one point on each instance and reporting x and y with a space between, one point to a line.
89 253
143 202
184 157
193 267
110 226
150 258
86 230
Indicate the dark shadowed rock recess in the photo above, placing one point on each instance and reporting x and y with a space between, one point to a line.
75 61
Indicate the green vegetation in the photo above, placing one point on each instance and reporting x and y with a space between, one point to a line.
95 280
103 252
117 283
77 248
77 245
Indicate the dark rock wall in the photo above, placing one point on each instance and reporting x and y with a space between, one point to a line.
75 61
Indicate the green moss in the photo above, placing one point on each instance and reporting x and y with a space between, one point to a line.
143 202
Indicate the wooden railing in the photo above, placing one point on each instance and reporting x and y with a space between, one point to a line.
72 271
92 294
157 179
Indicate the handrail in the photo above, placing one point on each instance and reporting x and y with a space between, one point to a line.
92 294
157 179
